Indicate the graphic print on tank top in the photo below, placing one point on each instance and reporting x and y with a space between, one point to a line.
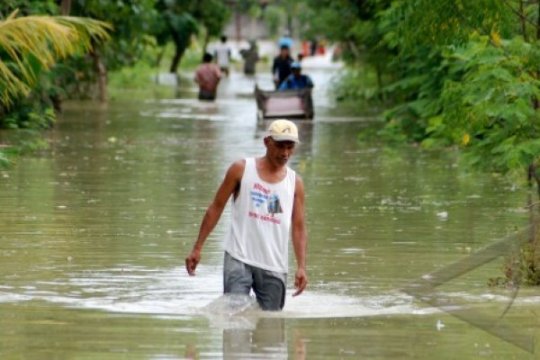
265 202
274 205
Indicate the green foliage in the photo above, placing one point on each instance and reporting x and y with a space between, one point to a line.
4 159
273 17
212 15
522 268
492 103
458 72
408 24
179 21
134 76
29 115
354 24
417 95
139 80
21 142
192 57
464 88
132 21
28 7
30 45
357 85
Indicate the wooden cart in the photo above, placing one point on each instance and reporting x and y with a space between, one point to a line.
288 104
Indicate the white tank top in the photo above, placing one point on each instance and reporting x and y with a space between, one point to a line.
261 220
222 55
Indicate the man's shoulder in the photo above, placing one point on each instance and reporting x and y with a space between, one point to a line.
240 163
299 183
236 169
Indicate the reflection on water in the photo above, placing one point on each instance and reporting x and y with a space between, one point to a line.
93 235
268 338
247 331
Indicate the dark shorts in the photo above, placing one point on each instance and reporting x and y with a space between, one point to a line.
268 286
206 95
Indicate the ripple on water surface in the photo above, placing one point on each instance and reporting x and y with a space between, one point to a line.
174 294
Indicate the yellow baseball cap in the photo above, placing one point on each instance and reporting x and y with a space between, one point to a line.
283 130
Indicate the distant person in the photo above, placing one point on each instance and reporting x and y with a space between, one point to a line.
267 210
251 56
297 80
286 40
207 76
313 47
321 49
281 68
306 48
223 55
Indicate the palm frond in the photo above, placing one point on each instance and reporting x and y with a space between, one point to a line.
45 39
10 85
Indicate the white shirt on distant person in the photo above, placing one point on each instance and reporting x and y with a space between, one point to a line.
223 54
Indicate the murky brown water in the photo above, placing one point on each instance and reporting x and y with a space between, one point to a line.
93 235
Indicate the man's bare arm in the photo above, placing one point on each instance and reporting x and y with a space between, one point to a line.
229 185
299 237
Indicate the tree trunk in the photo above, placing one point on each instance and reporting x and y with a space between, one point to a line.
532 174
378 70
101 71
206 41
65 8
354 50
523 19
538 23
176 59
532 171
159 56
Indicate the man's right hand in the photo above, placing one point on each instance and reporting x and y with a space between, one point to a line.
192 261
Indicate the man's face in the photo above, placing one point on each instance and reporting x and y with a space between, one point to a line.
279 151
296 72
284 52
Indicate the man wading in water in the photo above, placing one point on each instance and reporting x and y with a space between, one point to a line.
268 200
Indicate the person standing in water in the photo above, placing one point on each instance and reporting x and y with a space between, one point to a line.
207 76
297 80
267 203
223 56
251 56
281 67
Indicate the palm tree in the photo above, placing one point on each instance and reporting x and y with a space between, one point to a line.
31 43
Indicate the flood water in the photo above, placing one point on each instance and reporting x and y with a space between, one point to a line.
94 232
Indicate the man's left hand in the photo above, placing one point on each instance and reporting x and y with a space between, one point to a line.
300 281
